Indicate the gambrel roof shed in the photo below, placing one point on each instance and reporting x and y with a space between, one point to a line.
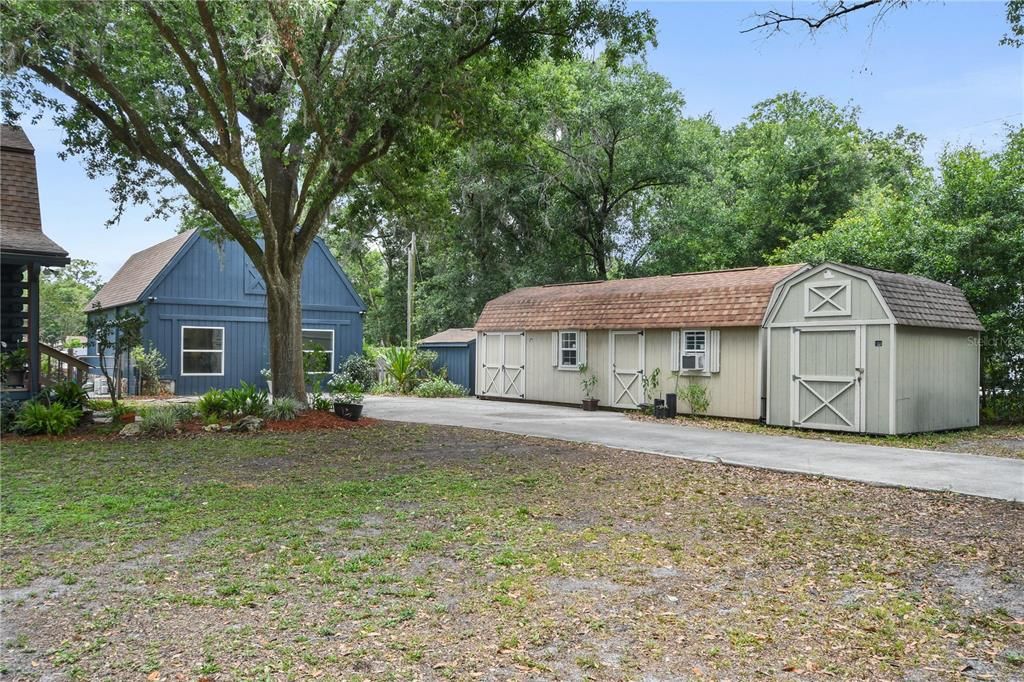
921 302
851 348
722 298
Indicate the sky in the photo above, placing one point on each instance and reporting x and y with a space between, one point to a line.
936 68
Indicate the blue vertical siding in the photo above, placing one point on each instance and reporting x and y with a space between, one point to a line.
210 285
458 359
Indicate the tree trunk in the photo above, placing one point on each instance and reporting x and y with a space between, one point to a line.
284 317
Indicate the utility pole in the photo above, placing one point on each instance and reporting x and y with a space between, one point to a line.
408 293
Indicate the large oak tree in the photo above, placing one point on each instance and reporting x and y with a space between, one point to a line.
266 112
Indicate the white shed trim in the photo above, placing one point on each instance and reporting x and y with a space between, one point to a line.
784 285
714 351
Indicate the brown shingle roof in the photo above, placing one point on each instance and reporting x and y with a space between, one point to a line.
454 335
21 229
724 298
921 302
138 272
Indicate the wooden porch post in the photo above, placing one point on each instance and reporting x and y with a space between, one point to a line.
33 328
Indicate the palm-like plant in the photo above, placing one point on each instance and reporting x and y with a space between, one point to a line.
406 366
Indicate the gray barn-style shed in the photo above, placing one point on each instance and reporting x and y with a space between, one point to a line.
862 350
831 347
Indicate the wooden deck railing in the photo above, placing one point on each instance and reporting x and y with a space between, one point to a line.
57 365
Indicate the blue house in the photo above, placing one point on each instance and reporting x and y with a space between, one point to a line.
206 310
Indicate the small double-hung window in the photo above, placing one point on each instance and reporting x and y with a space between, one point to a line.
694 354
696 351
568 350
202 351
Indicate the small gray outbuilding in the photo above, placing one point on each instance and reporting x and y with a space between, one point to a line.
855 349
456 355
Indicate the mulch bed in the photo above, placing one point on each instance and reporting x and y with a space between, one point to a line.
318 419
309 420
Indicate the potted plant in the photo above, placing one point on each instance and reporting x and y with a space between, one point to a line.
123 413
588 381
347 396
15 364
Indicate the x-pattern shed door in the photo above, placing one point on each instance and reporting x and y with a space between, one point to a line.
827 378
627 360
504 364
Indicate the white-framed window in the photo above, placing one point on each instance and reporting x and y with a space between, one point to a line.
202 351
323 339
568 350
693 354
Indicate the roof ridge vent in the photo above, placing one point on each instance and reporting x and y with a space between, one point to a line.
710 272
572 284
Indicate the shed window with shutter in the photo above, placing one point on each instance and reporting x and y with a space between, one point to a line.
568 350
694 351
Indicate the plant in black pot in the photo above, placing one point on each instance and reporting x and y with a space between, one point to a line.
348 397
588 381
14 366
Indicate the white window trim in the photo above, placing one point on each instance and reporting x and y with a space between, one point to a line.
330 365
223 343
703 371
564 367
827 301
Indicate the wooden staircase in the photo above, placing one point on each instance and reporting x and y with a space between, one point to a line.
55 365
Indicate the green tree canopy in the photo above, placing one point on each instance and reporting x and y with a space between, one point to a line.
63 295
279 104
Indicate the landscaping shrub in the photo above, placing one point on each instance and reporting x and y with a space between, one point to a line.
1003 409
322 402
360 369
69 394
439 387
36 417
100 405
213 403
697 397
183 412
246 400
8 411
159 421
122 409
150 362
386 387
284 408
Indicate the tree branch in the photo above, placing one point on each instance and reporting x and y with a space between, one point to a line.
192 69
832 10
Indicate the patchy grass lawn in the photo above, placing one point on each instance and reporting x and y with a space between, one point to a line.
402 552
992 440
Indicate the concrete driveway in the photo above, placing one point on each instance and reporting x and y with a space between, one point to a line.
995 477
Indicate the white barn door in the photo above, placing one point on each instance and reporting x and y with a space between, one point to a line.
513 365
827 373
503 365
626 352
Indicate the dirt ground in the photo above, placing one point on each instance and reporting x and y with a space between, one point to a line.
992 440
415 552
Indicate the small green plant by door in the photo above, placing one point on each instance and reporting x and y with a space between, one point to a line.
588 382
